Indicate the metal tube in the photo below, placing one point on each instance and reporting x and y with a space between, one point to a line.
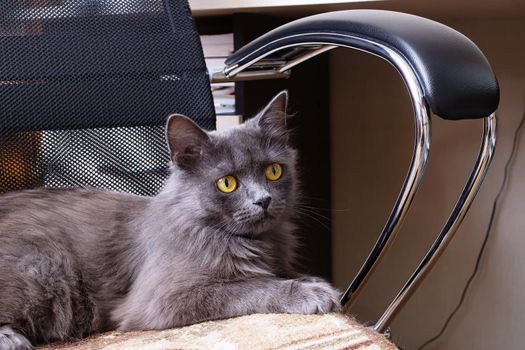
410 185
220 77
447 233
309 54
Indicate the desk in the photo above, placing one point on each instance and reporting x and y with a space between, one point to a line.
450 9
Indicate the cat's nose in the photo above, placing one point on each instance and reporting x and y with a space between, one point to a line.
263 202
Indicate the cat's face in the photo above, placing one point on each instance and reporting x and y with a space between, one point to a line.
240 181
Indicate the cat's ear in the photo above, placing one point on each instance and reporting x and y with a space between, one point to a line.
186 140
272 118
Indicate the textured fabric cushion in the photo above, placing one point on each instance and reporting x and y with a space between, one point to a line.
254 332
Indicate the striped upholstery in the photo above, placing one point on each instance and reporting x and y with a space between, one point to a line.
254 332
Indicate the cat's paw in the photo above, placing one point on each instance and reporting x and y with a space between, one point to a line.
310 295
12 340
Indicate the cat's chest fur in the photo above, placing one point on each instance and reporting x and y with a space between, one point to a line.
185 244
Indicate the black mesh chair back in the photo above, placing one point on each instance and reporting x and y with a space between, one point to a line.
86 87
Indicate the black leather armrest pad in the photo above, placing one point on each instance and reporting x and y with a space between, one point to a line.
456 78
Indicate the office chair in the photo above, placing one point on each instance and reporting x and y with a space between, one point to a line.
86 87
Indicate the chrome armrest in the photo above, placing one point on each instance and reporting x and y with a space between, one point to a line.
445 73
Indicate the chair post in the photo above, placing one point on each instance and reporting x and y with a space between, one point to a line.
454 221
410 185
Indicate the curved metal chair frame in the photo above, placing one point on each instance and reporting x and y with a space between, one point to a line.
277 64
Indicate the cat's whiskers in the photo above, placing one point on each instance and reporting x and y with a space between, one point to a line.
304 205
313 215
313 211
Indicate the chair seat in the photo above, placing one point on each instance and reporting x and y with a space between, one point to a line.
253 332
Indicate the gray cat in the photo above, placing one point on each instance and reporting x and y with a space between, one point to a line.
216 242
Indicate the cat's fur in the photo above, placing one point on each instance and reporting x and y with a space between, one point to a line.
75 262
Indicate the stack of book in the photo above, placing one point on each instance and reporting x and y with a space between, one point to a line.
216 49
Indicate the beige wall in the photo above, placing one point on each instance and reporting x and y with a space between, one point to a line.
372 144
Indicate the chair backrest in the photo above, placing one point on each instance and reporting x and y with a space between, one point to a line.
86 86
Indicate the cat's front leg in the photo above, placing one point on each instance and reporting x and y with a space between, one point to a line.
305 295
310 295
211 301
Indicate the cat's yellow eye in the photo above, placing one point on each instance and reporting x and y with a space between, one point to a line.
274 172
227 184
